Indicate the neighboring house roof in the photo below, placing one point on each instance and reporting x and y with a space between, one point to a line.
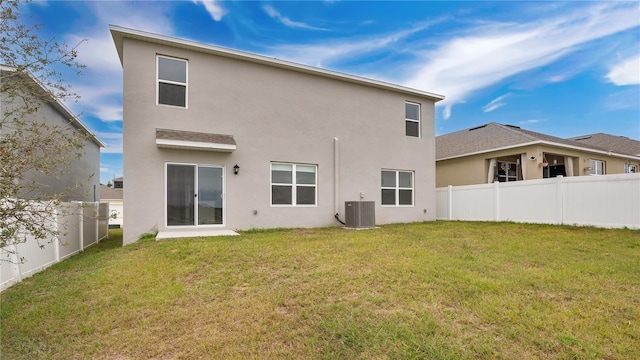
494 136
120 33
108 193
60 107
118 179
619 144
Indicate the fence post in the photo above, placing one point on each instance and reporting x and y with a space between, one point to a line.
97 216
560 199
56 241
496 190
15 261
81 224
450 195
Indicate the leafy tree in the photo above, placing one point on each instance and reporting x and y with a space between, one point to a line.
32 149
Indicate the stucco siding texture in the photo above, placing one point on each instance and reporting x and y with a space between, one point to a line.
274 115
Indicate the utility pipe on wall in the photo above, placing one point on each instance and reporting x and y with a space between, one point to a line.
336 175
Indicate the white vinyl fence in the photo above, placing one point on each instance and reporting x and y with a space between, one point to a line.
79 225
609 201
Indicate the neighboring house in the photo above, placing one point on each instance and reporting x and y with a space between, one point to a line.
118 183
617 144
81 181
113 196
217 139
496 152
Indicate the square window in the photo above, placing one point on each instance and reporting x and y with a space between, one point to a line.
388 196
293 184
388 178
597 167
281 173
281 195
412 111
397 188
171 94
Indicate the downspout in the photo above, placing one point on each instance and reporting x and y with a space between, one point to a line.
336 179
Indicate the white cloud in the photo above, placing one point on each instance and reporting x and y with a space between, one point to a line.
288 22
626 72
495 103
214 8
98 52
113 142
491 53
331 51
626 99
530 121
100 88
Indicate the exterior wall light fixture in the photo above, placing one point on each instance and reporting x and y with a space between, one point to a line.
236 169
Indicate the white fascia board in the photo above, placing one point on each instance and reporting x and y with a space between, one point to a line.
194 145
542 142
119 33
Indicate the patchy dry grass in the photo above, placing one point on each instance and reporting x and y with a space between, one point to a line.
444 290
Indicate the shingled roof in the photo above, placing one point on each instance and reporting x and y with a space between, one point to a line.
618 144
494 136
194 140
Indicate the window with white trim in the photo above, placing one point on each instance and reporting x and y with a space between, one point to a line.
597 167
630 168
171 81
397 188
293 184
412 119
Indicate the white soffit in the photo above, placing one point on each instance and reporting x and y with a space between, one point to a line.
194 145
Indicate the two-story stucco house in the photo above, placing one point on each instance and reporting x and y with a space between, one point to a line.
81 180
217 139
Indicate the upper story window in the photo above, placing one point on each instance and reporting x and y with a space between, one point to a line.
412 119
172 81
397 188
597 167
293 184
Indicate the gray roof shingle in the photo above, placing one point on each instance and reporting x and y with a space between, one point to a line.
618 144
494 136
167 134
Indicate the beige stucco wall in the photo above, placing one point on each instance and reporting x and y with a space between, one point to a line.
473 169
275 115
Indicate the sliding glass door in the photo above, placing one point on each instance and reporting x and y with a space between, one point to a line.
194 195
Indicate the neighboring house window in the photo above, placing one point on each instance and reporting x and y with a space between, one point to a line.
117 184
597 167
172 81
630 168
293 184
507 171
397 188
412 119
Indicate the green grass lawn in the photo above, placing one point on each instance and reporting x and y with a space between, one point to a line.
443 290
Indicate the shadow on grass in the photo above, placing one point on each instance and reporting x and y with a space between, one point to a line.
113 241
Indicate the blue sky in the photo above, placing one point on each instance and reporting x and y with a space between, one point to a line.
560 68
